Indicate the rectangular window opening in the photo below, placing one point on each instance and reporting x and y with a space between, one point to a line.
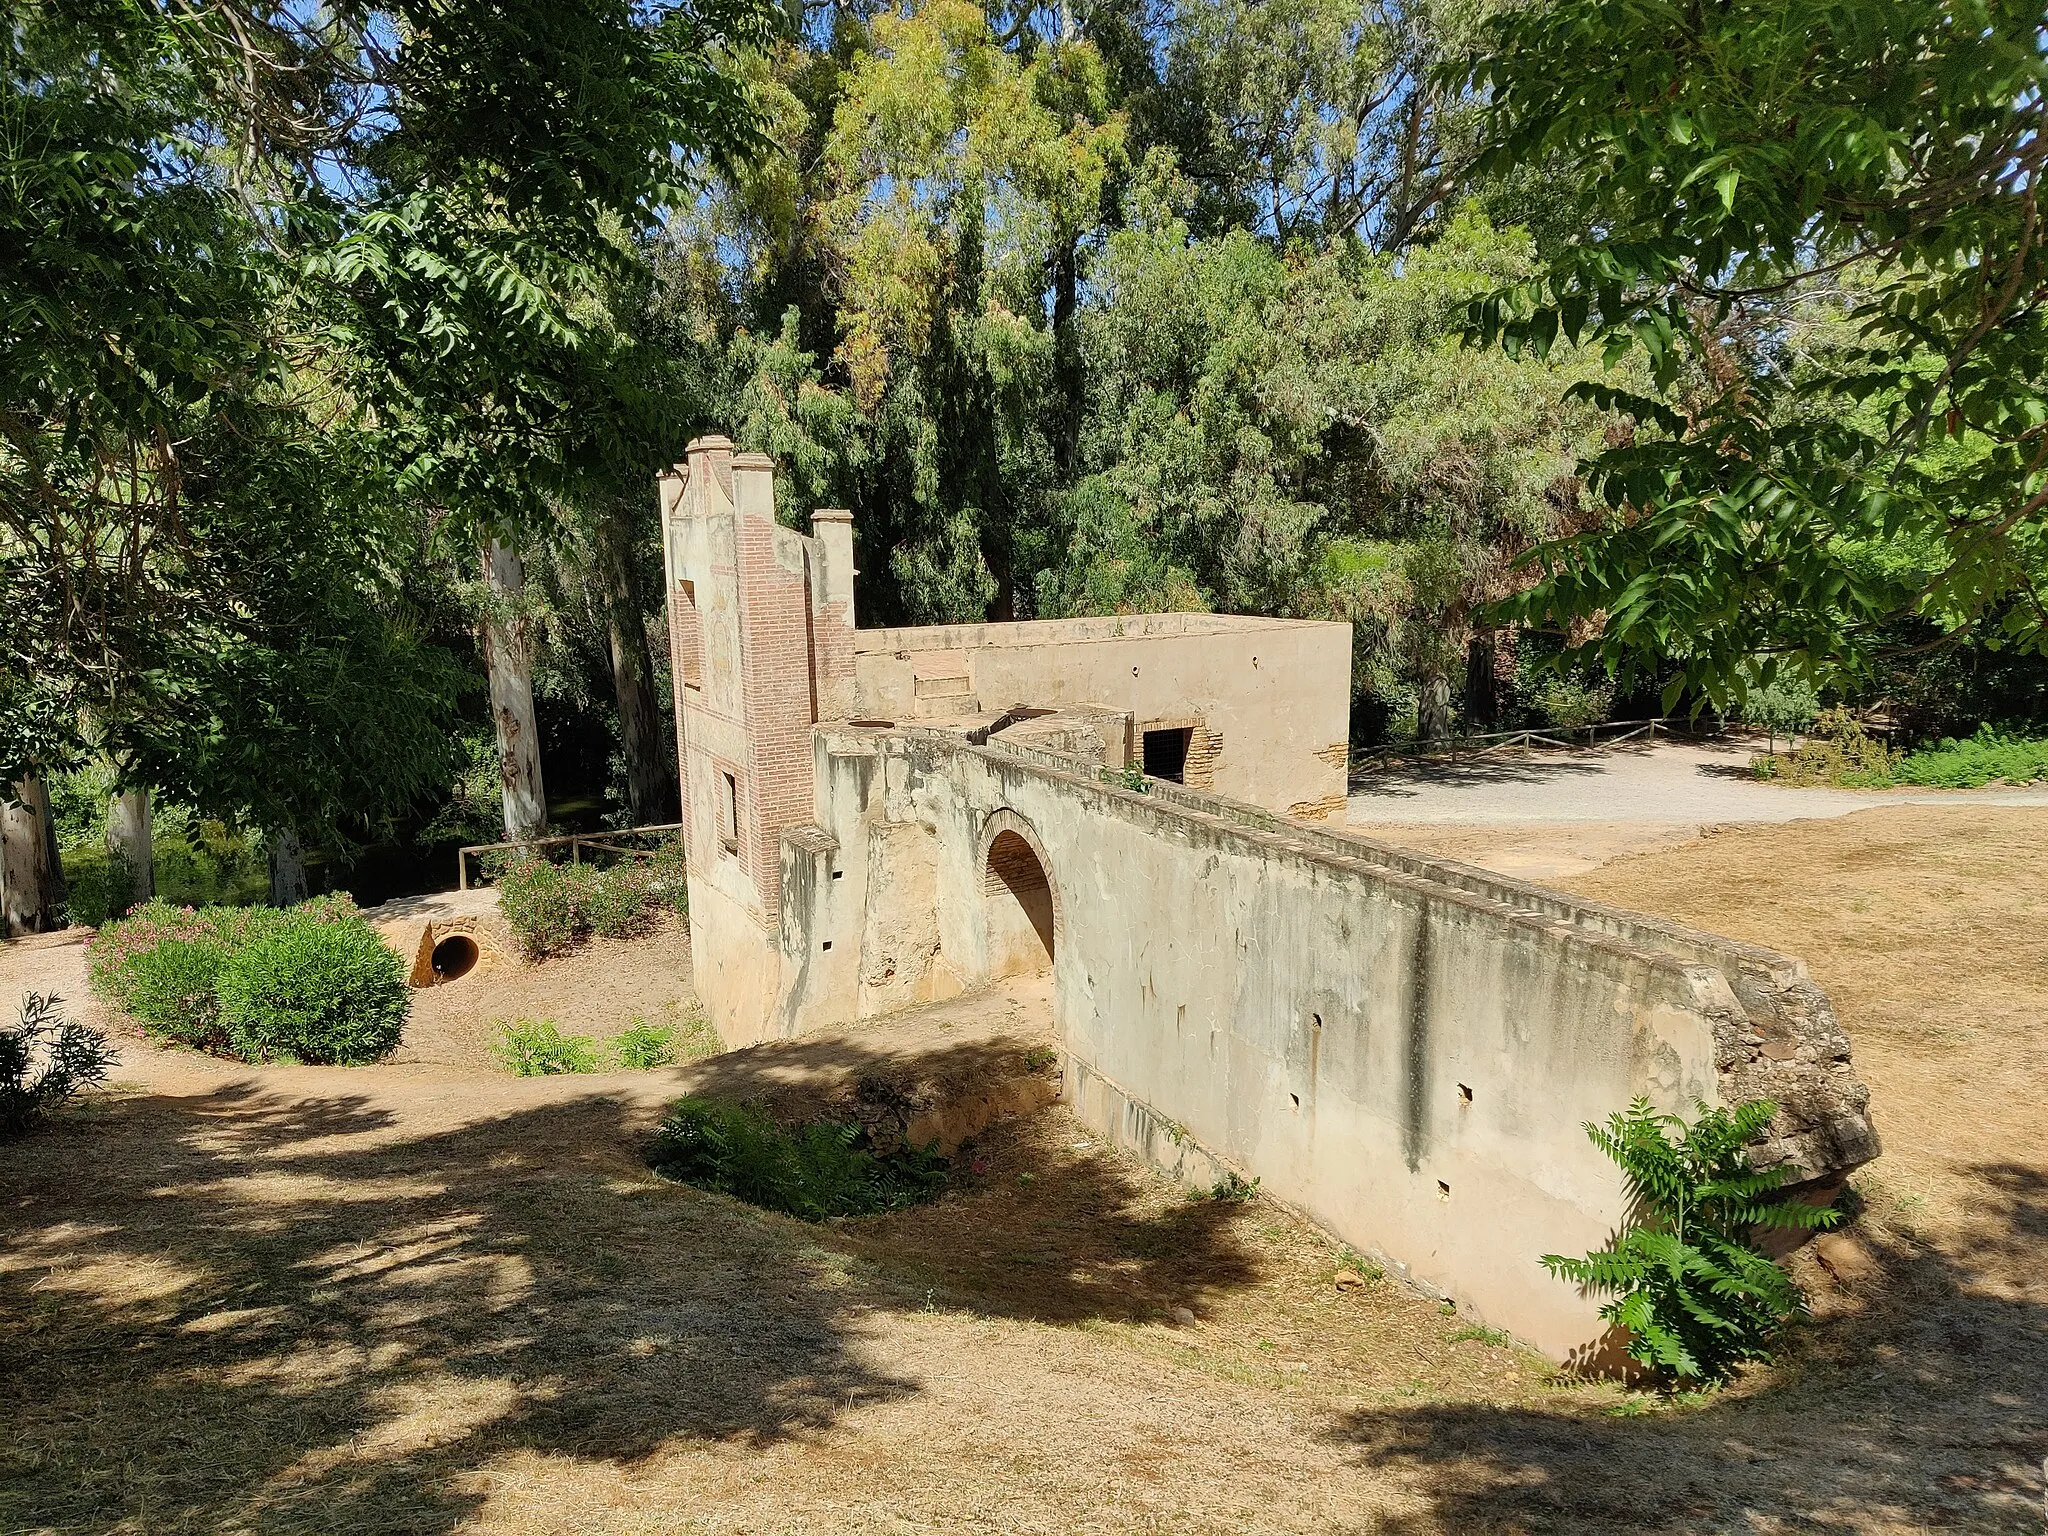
691 627
1166 753
729 814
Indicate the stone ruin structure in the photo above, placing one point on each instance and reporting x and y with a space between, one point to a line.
1149 808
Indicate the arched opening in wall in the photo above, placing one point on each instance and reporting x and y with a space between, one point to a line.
1017 896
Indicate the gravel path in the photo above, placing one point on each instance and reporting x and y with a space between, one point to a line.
1664 781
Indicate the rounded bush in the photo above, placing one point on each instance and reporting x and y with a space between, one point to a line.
169 990
318 988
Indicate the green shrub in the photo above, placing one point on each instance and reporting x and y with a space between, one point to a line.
812 1172
539 905
553 908
1839 752
538 1048
161 965
641 1046
1695 1293
616 903
314 986
1571 703
46 1059
1234 1189
1984 758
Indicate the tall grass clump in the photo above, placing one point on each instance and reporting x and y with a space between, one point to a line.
1985 758
809 1171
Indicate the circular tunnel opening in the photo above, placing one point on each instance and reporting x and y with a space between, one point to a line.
454 958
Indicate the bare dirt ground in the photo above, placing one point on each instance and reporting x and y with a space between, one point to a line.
431 1297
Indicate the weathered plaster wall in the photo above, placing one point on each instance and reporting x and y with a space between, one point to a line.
1269 699
1406 1057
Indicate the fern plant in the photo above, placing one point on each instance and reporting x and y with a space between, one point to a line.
1695 1293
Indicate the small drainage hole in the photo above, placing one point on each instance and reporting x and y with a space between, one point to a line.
1297 1099
454 958
1464 1094
1443 1190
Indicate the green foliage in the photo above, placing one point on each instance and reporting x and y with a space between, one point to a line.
538 1048
1987 757
1234 1189
1813 222
45 1060
315 985
554 908
1838 752
1696 1294
291 297
198 862
160 965
811 1171
1571 703
641 1046
1785 706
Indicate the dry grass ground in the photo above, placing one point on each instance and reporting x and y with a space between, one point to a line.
420 1299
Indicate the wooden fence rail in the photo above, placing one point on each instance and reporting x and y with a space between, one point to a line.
1608 733
577 841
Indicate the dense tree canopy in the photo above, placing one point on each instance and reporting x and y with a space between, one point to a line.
1819 227
1100 307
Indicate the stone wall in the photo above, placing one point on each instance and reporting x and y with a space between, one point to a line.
1403 1049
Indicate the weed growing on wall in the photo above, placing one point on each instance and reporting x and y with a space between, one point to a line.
1696 1294
538 1048
45 1059
812 1171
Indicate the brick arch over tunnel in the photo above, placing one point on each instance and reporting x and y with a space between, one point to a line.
1020 900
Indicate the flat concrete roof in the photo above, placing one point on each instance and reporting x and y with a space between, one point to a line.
1126 626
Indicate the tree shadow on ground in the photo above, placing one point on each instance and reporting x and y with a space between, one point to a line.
1474 772
1925 1407
250 1311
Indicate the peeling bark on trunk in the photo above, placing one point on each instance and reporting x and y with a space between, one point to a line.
509 661
650 782
29 878
1433 709
130 850
287 868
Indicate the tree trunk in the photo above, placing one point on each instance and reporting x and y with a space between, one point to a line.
28 877
131 854
1433 708
1482 697
1069 379
509 660
650 777
287 868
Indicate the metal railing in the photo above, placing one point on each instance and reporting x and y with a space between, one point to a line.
1556 738
577 841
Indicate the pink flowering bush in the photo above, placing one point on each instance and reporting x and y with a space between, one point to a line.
164 965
